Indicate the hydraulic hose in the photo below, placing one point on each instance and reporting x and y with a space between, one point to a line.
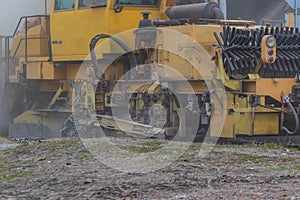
296 120
95 64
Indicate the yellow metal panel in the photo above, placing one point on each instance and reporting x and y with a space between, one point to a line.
242 123
241 101
228 127
266 123
201 33
33 70
49 72
269 87
45 71
195 86
180 67
291 18
129 18
72 30
37 43
227 131
49 86
72 71
248 86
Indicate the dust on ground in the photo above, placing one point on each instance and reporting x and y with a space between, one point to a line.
6 140
7 143
64 169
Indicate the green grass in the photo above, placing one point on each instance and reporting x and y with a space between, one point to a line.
36 151
13 174
60 144
84 155
240 158
8 174
253 170
277 146
141 148
255 145
154 143
284 168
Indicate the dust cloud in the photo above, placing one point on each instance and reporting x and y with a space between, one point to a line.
10 13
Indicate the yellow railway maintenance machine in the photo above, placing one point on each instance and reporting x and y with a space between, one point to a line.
259 67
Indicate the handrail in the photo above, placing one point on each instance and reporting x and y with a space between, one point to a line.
19 44
1 44
7 71
7 39
26 17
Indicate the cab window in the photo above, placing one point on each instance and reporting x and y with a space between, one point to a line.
91 3
138 2
64 4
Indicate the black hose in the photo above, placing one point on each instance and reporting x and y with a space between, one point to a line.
95 64
296 120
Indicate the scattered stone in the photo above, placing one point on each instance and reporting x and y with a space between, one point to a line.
41 158
288 151
88 181
226 173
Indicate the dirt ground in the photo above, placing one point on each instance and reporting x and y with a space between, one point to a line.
6 140
64 169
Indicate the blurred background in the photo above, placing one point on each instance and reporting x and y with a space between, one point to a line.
12 10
